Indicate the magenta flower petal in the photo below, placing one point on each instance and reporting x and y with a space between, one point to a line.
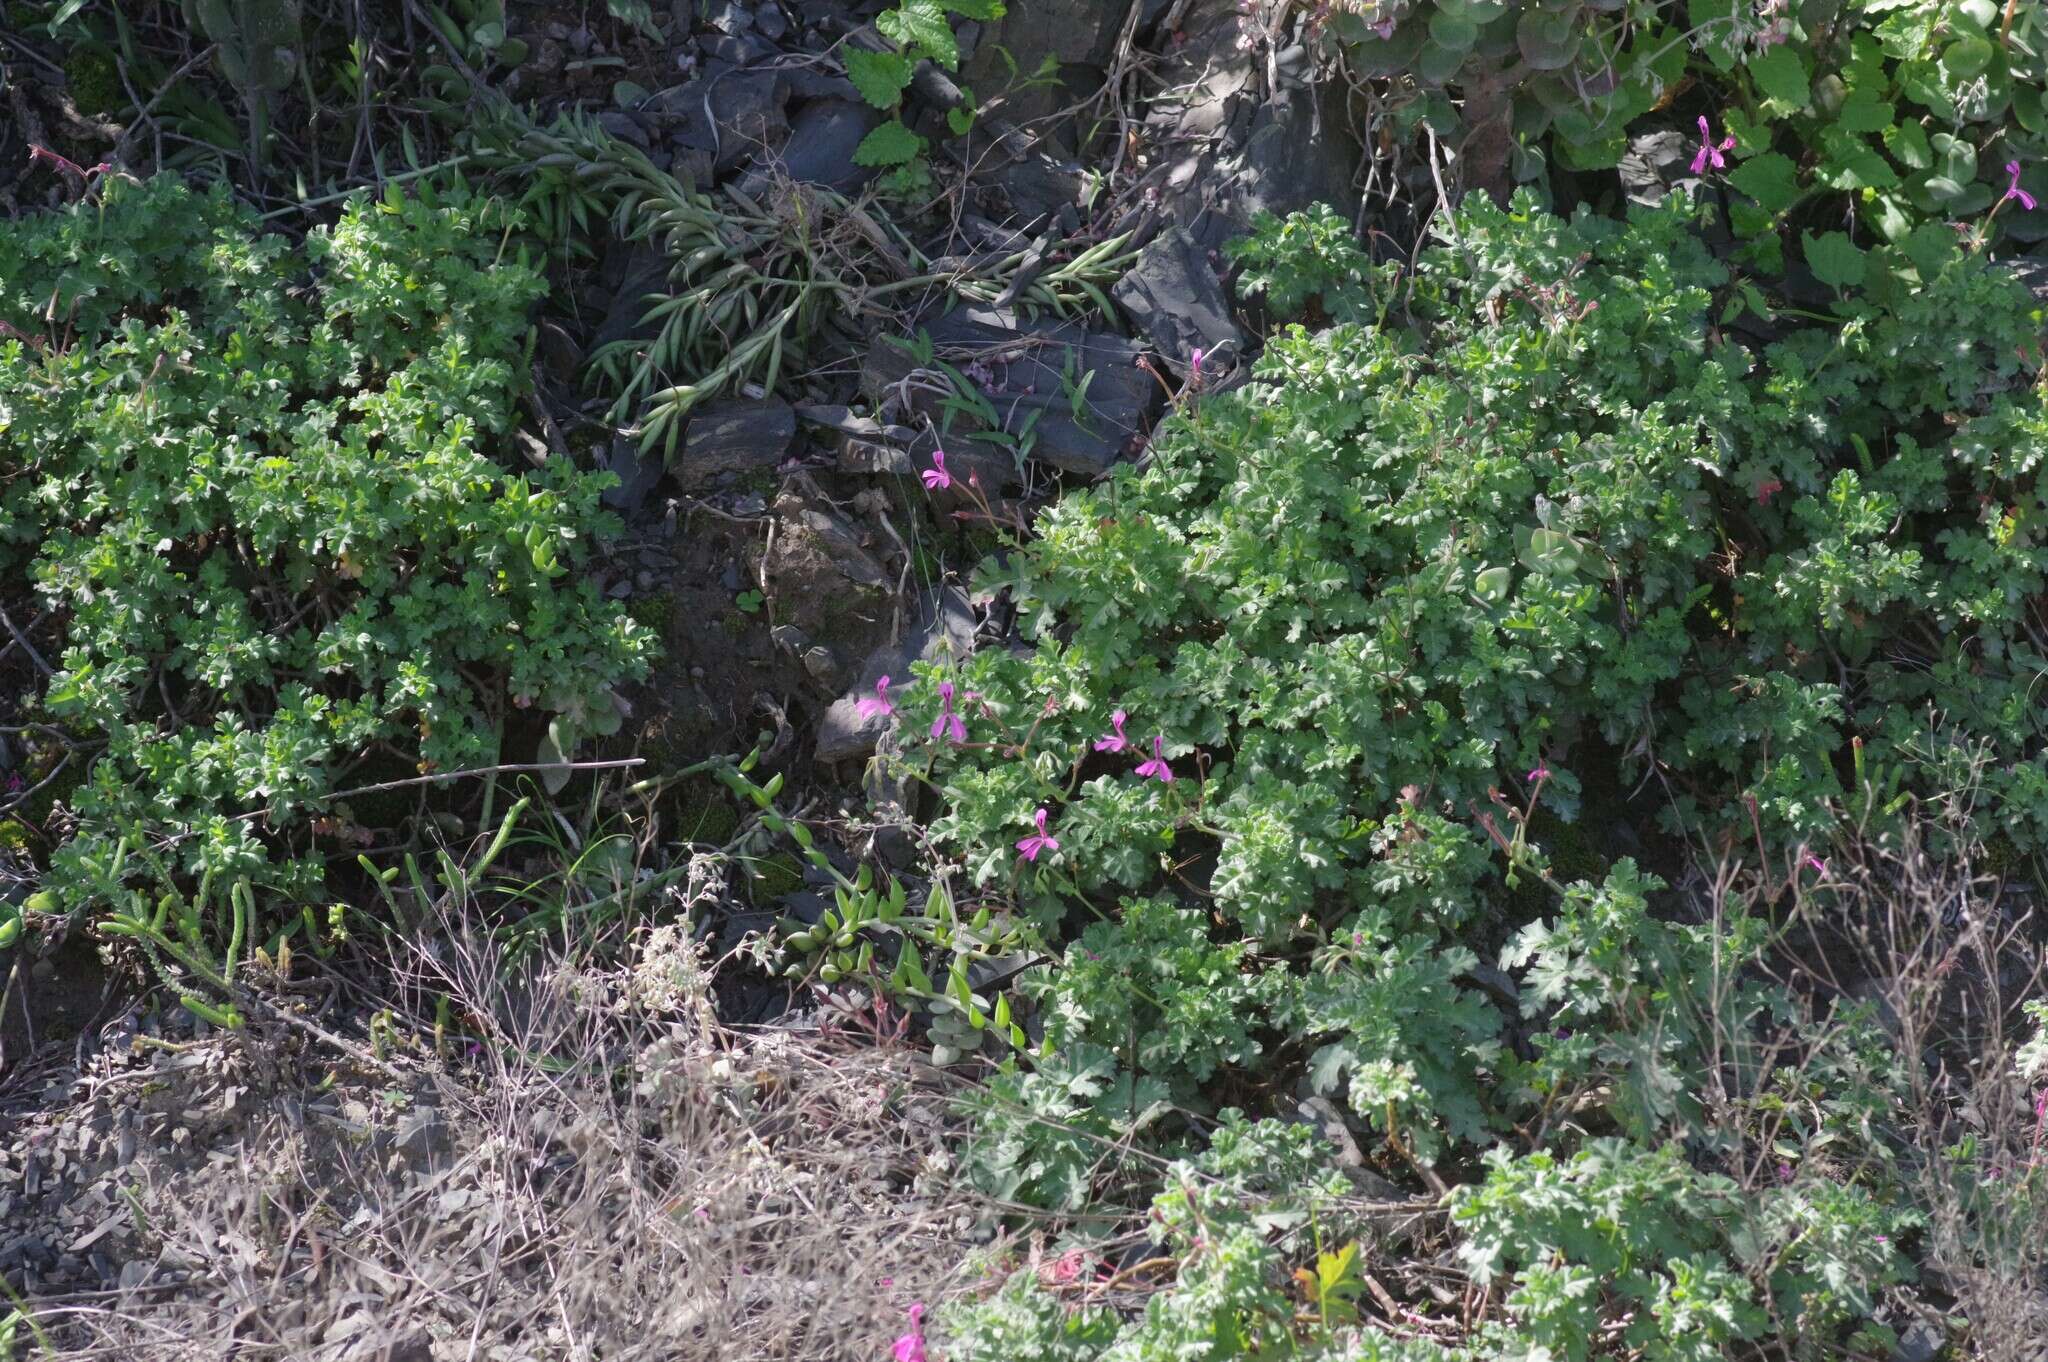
878 703
2013 190
1710 151
910 1346
936 477
949 724
1029 847
1114 741
1156 767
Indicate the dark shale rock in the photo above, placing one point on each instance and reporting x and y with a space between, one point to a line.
637 476
944 630
639 270
820 149
1654 164
734 437
726 114
1248 148
1078 36
1034 368
1173 296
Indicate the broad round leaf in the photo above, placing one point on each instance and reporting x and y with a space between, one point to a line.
1548 39
1453 30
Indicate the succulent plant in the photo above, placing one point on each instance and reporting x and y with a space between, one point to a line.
1892 118
259 40
1569 74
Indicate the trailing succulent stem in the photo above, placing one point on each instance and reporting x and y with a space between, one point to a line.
753 287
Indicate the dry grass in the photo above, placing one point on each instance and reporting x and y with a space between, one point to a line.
1938 954
604 1173
1948 953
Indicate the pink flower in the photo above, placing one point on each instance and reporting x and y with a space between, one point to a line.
1384 26
936 476
1029 847
948 722
878 703
1114 741
1540 773
910 1346
1766 490
1069 1265
1819 866
2013 190
1195 364
1709 152
1784 1172
1157 765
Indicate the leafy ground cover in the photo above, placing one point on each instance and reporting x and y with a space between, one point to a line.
1513 532
1505 826
281 551
1911 114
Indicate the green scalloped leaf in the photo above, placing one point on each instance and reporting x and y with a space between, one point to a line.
1863 111
1834 259
1548 39
1453 29
881 77
1713 25
1853 164
921 24
1783 78
1771 179
1909 146
892 144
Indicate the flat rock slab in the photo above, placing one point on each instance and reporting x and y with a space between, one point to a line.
1654 165
734 437
1078 38
1246 150
819 150
1174 297
637 476
725 115
1033 372
640 270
